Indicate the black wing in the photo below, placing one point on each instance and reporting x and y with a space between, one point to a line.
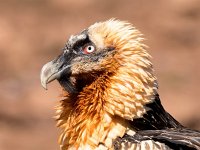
156 118
158 130
177 139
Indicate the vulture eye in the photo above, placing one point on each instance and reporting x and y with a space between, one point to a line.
88 49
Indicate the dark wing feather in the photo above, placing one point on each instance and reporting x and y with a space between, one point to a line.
177 139
156 118
157 129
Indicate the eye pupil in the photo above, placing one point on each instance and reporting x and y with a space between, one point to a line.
89 48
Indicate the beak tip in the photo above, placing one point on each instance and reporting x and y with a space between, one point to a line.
44 85
45 88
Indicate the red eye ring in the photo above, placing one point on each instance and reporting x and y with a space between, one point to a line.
89 49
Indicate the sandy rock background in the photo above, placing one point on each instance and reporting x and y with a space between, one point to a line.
32 32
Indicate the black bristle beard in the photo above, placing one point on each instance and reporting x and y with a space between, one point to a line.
75 84
68 85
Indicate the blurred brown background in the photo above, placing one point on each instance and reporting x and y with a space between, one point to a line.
32 32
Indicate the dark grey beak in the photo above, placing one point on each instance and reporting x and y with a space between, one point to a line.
53 70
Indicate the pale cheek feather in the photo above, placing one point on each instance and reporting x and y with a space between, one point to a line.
97 39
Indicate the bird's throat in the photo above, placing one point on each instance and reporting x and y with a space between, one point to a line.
86 121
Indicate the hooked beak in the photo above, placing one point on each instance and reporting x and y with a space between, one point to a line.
53 70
